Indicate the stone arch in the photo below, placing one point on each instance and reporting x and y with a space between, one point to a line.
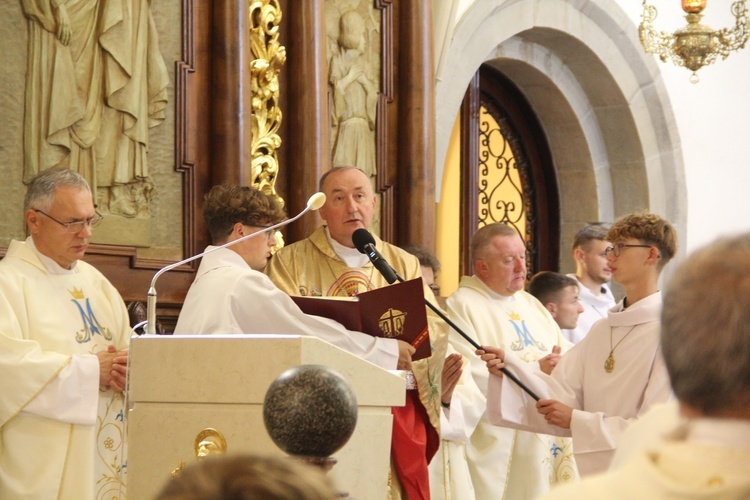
599 97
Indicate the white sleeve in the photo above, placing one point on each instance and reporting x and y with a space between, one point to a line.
72 396
260 307
452 422
510 406
597 431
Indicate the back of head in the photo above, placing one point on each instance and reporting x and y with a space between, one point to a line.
592 232
482 239
547 285
649 228
40 193
426 259
225 205
706 329
246 477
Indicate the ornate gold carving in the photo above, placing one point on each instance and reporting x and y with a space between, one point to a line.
209 442
268 57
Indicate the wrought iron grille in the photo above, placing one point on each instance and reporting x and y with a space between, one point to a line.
503 174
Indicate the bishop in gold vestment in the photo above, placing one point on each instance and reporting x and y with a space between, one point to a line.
326 264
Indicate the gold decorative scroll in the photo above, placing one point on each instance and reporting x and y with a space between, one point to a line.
268 56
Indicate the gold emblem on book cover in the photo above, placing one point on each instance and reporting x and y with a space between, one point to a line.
392 322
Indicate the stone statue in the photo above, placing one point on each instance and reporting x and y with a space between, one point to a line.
95 83
354 97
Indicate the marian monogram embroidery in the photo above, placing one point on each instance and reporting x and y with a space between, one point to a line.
524 335
91 325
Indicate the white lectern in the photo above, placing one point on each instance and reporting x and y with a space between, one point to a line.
182 385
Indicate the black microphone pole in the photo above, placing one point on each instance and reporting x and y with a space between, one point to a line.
471 341
367 247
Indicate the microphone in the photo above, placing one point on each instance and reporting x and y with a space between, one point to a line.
365 243
313 203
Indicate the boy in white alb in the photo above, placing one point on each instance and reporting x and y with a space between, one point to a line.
704 454
616 373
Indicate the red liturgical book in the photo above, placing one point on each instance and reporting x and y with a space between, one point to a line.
394 311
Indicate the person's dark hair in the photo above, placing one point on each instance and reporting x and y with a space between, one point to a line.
40 193
225 205
705 328
592 232
246 477
426 259
648 228
547 285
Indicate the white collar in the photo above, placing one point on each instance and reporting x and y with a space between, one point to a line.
52 266
351 256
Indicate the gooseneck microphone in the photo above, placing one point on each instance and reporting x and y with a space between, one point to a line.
365 243
313 203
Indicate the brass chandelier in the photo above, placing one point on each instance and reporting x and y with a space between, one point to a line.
695 45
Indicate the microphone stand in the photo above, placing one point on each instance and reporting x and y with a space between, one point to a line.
315 202
471 341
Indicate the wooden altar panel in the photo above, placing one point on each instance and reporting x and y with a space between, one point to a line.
405 136
211 133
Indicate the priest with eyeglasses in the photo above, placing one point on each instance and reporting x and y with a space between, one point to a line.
64 332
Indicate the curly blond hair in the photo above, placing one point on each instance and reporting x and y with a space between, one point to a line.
648 228
225 205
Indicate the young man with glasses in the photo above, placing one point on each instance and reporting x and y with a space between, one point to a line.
231 295
616 373
63 334
698 447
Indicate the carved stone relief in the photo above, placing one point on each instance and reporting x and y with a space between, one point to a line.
353 54
96 83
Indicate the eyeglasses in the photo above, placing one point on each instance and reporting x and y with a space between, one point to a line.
77 226
270 235
617 249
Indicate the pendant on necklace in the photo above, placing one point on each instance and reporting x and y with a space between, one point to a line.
609 365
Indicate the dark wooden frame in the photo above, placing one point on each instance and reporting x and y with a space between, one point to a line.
212 137
544 245
405 133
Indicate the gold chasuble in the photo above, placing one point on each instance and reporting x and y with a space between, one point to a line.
45 319
310 267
